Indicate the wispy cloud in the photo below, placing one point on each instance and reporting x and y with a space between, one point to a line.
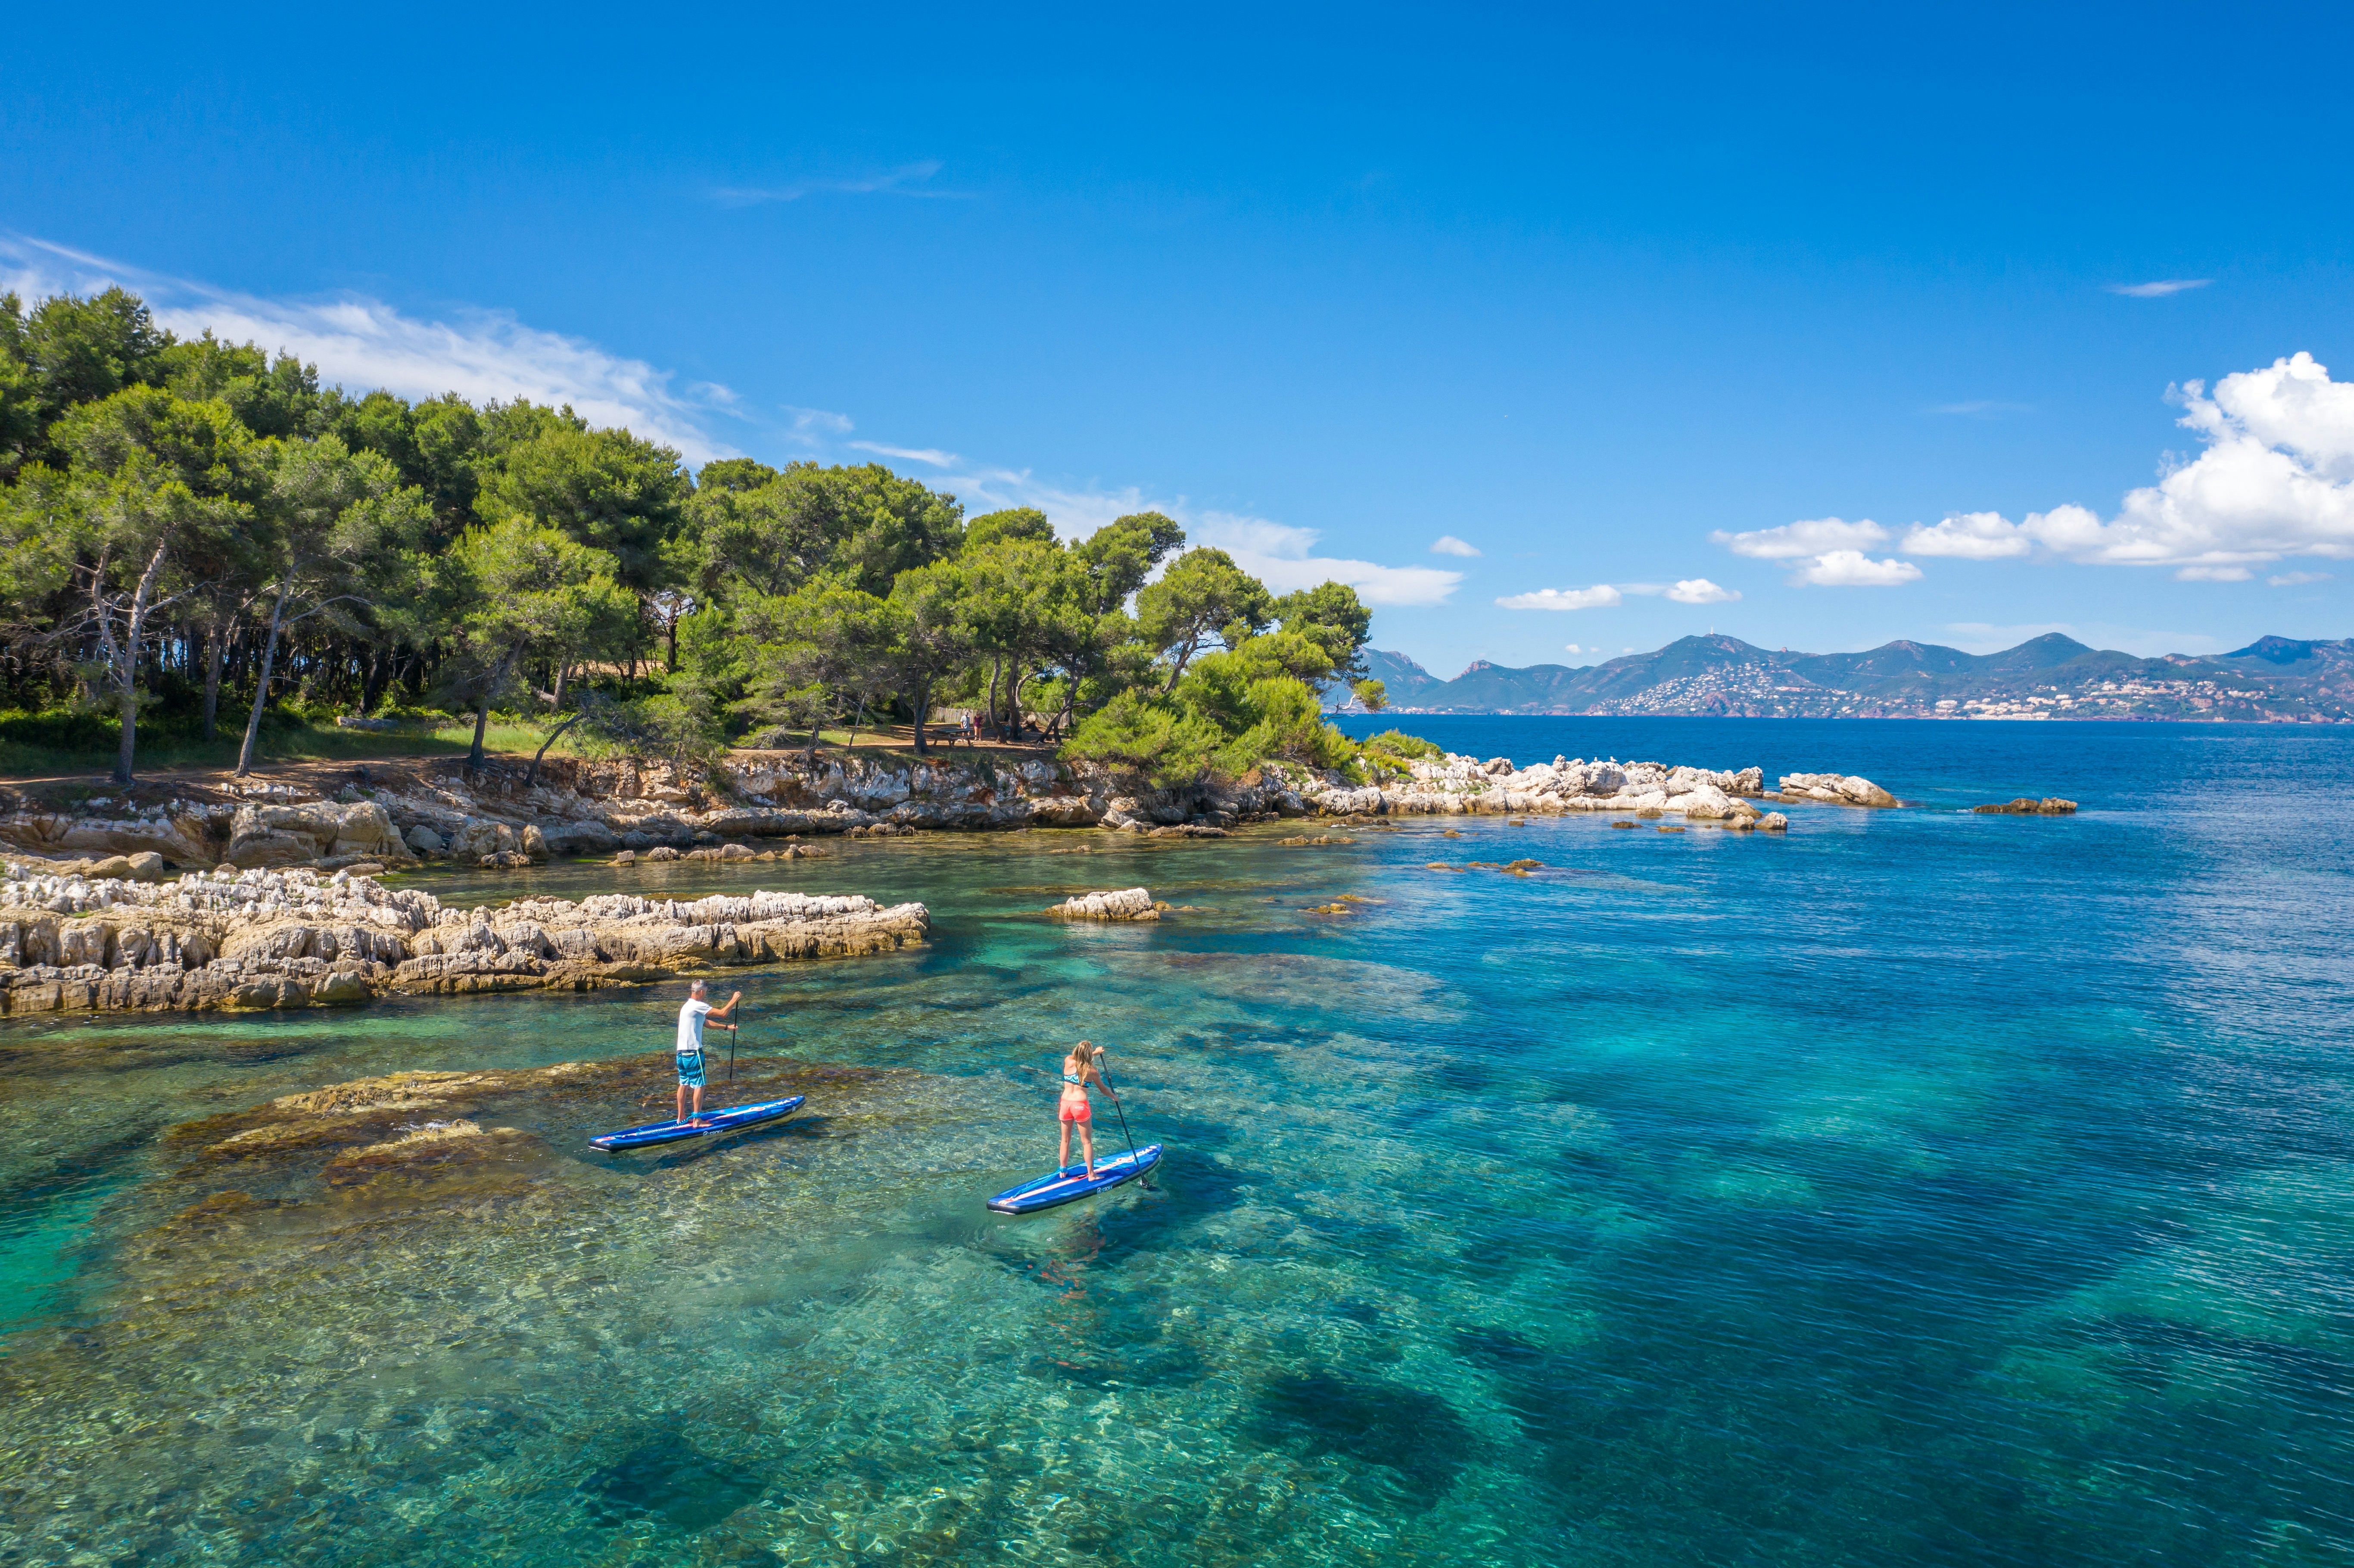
811 426
1448 545
931 455
2213 575
363 343
2297 579
1282 557
906 180
2159 288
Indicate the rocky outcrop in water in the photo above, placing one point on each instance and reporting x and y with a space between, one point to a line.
292 938
1128 904
1834 790
1462 785
2027 806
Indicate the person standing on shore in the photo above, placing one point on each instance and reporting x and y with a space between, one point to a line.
690 1045
1078 1070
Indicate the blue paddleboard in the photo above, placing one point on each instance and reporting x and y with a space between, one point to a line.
1070 1183
727 1120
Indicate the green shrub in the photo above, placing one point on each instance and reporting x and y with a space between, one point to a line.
1402 745
1161 741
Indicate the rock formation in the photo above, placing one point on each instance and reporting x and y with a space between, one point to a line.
1834 790
1461 784
292 938
506 816
1128 904
2027 806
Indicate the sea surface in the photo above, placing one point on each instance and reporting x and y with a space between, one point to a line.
1916 1187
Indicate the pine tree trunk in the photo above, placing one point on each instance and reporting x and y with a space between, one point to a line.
261 691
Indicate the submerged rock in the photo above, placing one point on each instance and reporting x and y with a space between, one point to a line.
2027 806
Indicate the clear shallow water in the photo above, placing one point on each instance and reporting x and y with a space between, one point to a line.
1916 1188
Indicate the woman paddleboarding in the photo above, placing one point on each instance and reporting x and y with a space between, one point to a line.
1078 1071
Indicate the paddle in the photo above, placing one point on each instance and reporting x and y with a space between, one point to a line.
1123 1123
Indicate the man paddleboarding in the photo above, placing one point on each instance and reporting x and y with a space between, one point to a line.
1078 1071
690 1046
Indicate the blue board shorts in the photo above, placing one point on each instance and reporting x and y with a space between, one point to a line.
690 1070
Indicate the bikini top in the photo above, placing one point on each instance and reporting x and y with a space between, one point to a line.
1071 1079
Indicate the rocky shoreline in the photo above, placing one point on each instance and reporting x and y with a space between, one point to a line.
292 938
760 806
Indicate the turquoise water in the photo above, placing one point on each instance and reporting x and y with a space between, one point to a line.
1916 1188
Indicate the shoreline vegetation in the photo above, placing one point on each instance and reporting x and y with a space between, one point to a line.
208 552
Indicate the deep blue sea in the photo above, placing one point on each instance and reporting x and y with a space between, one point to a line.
1916 1187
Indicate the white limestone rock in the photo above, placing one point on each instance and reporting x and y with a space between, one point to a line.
1127 904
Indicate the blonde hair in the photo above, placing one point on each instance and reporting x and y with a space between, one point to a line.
1085 1055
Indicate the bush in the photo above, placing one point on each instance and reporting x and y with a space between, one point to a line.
1403 747
1160 741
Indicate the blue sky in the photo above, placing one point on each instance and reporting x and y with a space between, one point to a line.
1633 305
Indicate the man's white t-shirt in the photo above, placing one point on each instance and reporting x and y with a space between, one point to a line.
690 1027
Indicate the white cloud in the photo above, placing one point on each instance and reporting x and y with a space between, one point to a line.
1811 537
906 180
1600 596
1853 568
1571 648
1448 545
1278 556
2277 479
362 344
2213 575
931 455
2297 579
2160 289
1972 535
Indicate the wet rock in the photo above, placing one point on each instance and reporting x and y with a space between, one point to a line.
1128 904
268 939
1772 822
1835 790
2027 806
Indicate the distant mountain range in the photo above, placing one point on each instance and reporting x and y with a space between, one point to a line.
2272 678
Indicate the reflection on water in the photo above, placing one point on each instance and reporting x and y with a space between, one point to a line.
1920 1188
